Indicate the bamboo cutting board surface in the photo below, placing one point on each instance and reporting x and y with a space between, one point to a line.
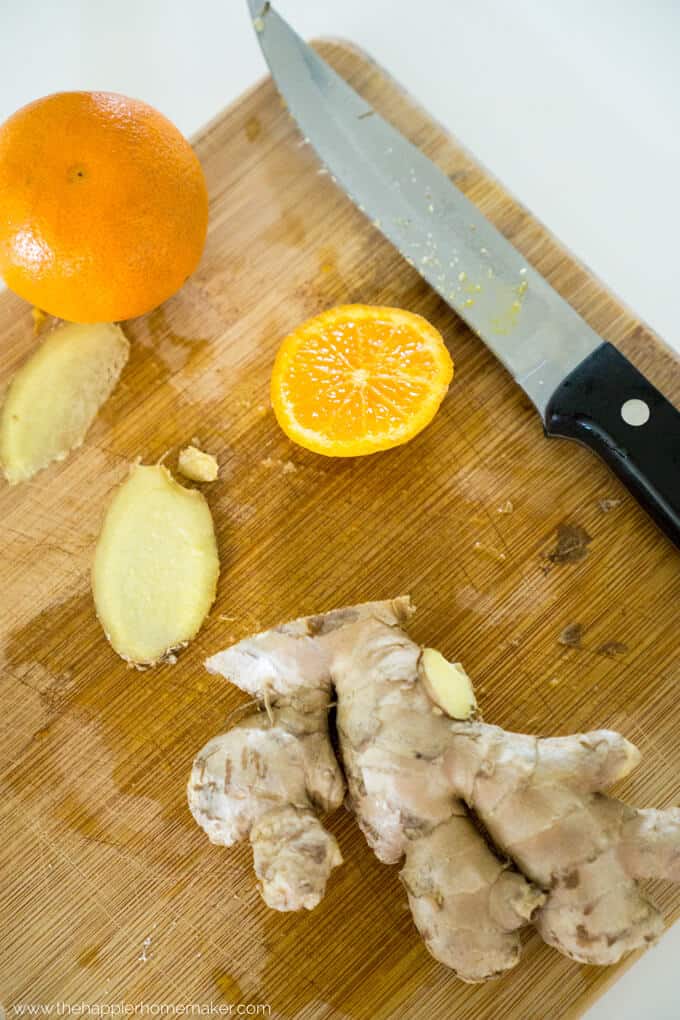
111 892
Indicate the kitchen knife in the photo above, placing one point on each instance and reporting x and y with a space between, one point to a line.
582 386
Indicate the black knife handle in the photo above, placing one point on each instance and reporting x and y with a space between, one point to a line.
593 405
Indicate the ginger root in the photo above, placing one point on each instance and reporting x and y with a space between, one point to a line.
266 778
155 567
556 850
469 914
55 396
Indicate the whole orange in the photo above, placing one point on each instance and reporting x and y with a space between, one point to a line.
103 206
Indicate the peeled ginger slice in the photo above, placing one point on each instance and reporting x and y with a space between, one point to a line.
156 565
56 394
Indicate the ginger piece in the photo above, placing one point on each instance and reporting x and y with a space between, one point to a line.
466 901
56 395
265 778
567 857
197 465
156 566
541 801
447 684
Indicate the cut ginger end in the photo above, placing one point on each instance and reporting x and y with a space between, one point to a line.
448 685
55 396
156 566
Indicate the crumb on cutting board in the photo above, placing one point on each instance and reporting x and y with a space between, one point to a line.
197 465
488 550
572 635
606 505
146 950
287 467
612 648
572 544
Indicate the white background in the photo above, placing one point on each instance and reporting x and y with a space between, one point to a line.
573 104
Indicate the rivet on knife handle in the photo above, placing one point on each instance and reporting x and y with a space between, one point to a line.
607 405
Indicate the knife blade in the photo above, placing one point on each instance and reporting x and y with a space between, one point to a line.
582 387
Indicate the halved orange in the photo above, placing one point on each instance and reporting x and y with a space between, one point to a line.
359 378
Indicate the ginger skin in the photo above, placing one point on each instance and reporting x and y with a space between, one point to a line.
467 903
264 778
567 857
594 849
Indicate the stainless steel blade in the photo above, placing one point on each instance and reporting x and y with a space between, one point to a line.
537 336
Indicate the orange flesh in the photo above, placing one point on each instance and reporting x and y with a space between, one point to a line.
358 379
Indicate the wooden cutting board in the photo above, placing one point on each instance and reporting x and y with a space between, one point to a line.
110 891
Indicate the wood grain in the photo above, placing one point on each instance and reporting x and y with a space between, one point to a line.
99 852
